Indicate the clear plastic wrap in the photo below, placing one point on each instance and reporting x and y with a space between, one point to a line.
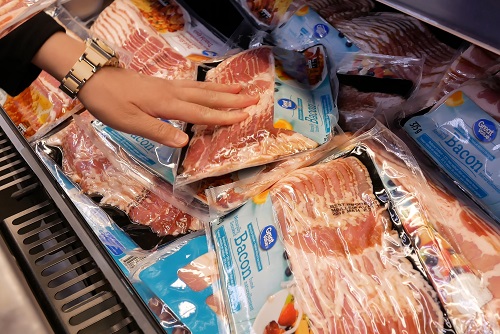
337 10
339 231
460 134
321 252
397 34
15 12
177 283
143 205
269 13
122 25
374 85
40 107
182 31
473 63
296 112
306 28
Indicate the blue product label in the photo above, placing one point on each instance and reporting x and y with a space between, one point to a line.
160 159
303 95
252 262
184 295
462 139
307 28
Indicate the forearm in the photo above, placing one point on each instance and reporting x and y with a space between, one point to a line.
58 54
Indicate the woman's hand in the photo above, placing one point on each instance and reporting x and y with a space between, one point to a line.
132 103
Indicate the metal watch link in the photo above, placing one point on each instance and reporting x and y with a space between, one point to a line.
97 55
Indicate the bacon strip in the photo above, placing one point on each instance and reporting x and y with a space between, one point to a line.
352 276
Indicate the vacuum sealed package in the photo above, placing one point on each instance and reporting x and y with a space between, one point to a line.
473 63
320 251
306 28
372 85
40 107
188 36
397 34
224 194
457 245
148 51
266 14
179 277
15 12
337 10
160 159
460 135
122 248
142 204
296 112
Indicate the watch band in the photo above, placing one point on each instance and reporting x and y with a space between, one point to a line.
97 55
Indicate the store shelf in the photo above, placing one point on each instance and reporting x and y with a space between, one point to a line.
106 287
475 21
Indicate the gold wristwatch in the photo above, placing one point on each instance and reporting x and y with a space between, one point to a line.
97 55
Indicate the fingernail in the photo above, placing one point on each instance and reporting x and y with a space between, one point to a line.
180 138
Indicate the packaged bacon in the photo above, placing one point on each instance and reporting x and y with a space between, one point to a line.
176 23
337 10
305 28
177 282
457 245
15 12
123 26
460 135
323 251
142 204
159 159
40 107
374 85
397 34
296 112
267 14
473 63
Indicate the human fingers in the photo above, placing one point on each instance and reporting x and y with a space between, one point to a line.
218 87
216 99
160 131
198 114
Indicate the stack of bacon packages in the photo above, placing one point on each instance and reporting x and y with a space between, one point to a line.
357 243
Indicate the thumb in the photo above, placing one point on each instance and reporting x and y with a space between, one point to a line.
159 131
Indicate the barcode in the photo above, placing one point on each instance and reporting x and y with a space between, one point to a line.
131 261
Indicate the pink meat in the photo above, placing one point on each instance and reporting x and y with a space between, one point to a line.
462 239
87 166
351 275
220 150
486 94
397 34
144 51
336 10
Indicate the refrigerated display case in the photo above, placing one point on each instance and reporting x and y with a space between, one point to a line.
69 272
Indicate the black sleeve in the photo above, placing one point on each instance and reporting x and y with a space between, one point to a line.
18 48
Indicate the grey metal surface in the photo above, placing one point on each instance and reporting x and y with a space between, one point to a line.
121 286
475 21
19 311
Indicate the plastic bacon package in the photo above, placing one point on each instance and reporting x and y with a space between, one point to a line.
142 204
177 283
122 25
40 107
460 135
267 14
373 85
344 245
296 112
15 12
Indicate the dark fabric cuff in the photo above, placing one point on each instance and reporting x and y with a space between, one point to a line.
18 48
